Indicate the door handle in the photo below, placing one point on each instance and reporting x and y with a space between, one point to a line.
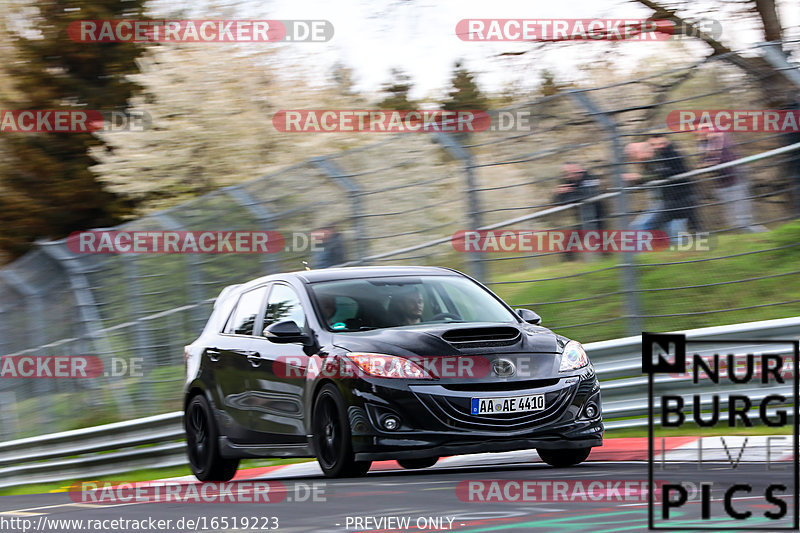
213 354
254 358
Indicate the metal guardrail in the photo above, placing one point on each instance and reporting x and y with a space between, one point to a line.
399 193
157 441
151 442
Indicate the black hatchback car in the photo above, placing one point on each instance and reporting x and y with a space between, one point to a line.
352 365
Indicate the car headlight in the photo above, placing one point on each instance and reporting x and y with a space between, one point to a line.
388 366
574 357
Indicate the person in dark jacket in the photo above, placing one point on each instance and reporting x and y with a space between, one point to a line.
578 186
676 198
330 251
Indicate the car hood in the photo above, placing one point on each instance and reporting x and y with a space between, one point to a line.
453 339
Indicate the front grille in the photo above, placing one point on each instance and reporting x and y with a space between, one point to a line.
454 411
482 337
501 385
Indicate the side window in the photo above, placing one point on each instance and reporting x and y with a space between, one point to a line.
228 328
284 304
226 313
244 316
336 310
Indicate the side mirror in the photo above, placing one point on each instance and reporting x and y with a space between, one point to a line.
529 316
286 332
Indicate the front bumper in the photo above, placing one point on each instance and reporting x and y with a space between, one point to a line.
418 448
435 419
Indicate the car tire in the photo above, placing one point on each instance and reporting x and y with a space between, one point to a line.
203 445
416 464
564 458
332 438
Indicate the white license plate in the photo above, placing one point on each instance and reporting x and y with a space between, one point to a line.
511 404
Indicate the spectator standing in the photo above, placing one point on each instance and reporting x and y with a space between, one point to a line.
676 206
730 186
328 248
578 186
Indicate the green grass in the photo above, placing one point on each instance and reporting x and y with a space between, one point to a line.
692 430
608 311
138 475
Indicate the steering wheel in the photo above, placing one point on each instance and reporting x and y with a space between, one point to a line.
442 316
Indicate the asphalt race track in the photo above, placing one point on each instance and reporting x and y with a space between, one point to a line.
428 499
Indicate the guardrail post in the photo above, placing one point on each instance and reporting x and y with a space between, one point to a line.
353 190
474 218
628 280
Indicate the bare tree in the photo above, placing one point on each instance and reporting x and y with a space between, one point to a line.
777 89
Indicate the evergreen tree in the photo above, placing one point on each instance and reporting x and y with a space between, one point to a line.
48 188
548 87
342 78
397 91
465 93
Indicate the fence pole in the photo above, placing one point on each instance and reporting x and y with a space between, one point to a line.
142 335
34 307
194 272
87 311
9 415
353 190
628 278
474 218
5 343
263 216
777 58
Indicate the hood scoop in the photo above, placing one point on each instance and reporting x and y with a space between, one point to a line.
482 337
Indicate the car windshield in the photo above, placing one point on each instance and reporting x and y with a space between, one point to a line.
383 302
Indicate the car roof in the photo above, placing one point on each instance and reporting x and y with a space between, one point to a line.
334 274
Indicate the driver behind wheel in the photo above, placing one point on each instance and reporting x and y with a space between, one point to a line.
327 303
407 306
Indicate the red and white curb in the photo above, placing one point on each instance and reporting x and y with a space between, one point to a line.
760 448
